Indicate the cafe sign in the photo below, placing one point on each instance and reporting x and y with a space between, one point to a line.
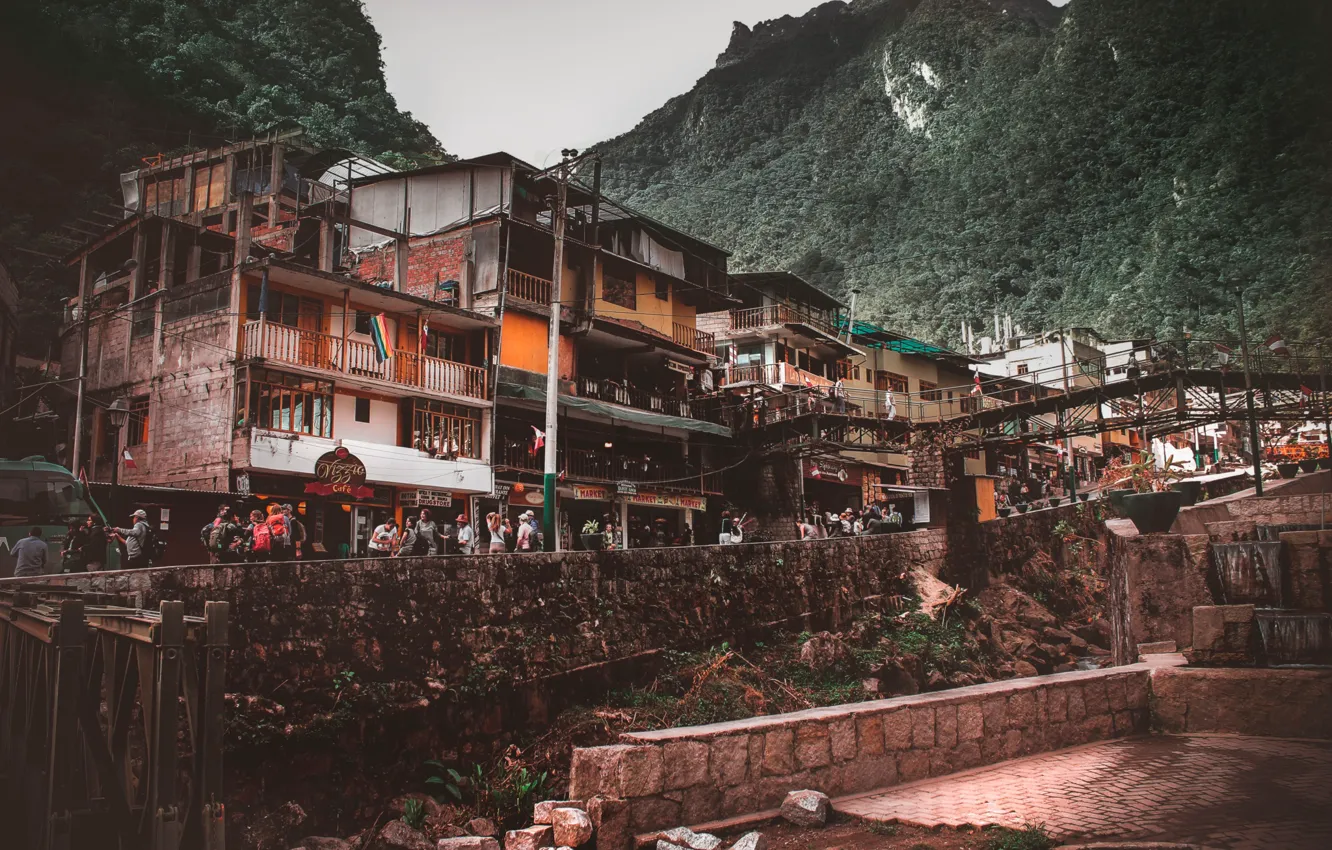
339 473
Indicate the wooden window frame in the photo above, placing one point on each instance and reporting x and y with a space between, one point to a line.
137 423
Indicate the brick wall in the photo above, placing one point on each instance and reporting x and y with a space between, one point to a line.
702 773
434 262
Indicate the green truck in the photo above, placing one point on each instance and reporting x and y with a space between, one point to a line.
36 493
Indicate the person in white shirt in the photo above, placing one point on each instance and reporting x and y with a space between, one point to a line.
525 532
466 536
384 538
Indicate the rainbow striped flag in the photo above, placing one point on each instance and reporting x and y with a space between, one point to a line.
379 334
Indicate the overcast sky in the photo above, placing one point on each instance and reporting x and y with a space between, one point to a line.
534 76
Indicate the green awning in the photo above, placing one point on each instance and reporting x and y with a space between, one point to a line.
613 412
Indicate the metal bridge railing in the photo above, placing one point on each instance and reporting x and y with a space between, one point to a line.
111 723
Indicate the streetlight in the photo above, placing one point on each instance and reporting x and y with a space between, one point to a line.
117 413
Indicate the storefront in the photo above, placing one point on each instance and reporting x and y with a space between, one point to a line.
644 518
832 486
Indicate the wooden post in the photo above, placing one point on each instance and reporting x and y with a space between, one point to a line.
64 732
275 185
327 237
346 323
166 819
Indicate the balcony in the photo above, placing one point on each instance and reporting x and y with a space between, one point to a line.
758 318
604 466
617 393
327 353
776 375
529 288
693 338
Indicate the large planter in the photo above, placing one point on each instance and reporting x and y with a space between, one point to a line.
594 542
1153 513
1005 511
1309 464
1117 498
1082 497
1022 507
1055 500
1288 470
1190 490
1325 463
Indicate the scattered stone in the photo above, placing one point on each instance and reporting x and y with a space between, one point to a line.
806 808
750 841
871 687
1156 647
470 842
1097 632
900 677
445 830
822 651
319 842
937 681
275 829
1023 669
1066 667
483 826
1097 651
610 819
397 835
572 827
1055 635
686 837
532 838
429 804
542 813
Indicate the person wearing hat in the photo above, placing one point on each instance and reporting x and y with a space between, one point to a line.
525 531
136 539
297 531
466 536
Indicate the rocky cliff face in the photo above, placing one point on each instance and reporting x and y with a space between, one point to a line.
1117 163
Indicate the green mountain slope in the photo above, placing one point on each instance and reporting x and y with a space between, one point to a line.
94 85
1125 164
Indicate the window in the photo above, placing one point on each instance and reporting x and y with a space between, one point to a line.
620 292
446 346
886 381
290 403
284 308
136 424
929 391
663 290
362 322
144 318
1022 368
186 303
446 430
362 409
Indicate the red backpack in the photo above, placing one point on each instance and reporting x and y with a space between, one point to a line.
263 538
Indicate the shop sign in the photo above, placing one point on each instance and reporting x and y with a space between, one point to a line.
626 488
669 500
530 497
687 371
501 491
341 473
243 483
426 499
830 470
594 494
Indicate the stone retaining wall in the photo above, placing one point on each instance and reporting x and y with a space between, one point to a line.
1155 582
1309 569
1282 703
698 774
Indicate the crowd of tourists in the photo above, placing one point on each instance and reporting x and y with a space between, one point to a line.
273 534
850 522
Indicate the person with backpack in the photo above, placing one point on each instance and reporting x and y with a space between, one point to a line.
280 526
219 537
258 538
141 545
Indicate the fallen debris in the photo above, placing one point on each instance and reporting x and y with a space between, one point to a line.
806 808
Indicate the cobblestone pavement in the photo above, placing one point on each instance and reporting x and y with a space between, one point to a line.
1219 791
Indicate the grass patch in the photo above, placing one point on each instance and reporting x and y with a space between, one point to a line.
1027 838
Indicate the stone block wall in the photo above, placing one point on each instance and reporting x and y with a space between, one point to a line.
698 774
1251 701
1309 569
1155 582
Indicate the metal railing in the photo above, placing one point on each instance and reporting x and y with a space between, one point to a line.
526 287
605 466
617 393
693 338
111 722
315 350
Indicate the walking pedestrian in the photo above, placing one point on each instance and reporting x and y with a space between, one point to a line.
31 554
297 531
280 528
219 536
496 528
258 542
466 536
137 539
427 533
525 532
71 559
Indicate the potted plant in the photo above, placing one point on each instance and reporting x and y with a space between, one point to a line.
1084 496
1022 507
1190 489
593 541
1288 470
1005 510
1325 463
1055 500
1309 464
1150 504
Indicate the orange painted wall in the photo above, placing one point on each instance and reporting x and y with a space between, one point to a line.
523 344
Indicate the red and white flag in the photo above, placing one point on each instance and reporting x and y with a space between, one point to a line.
538 439
129 461
976 389
1278 345
83 476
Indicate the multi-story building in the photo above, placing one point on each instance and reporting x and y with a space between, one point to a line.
640 438
243 360
8 337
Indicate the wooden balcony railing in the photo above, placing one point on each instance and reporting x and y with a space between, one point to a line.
526 287
781 314
617 393
776 375
694 338
329 353
605 466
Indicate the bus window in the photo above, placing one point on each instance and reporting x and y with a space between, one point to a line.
58 500
13 498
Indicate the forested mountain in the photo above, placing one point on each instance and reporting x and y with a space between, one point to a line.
94 85
1123 164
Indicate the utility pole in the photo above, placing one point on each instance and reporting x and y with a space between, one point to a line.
1072 478
851 316
1248 403
85 327
553 359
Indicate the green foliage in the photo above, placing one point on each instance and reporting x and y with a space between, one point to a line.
880 828
1027 838
506 791
414 813
1124 169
